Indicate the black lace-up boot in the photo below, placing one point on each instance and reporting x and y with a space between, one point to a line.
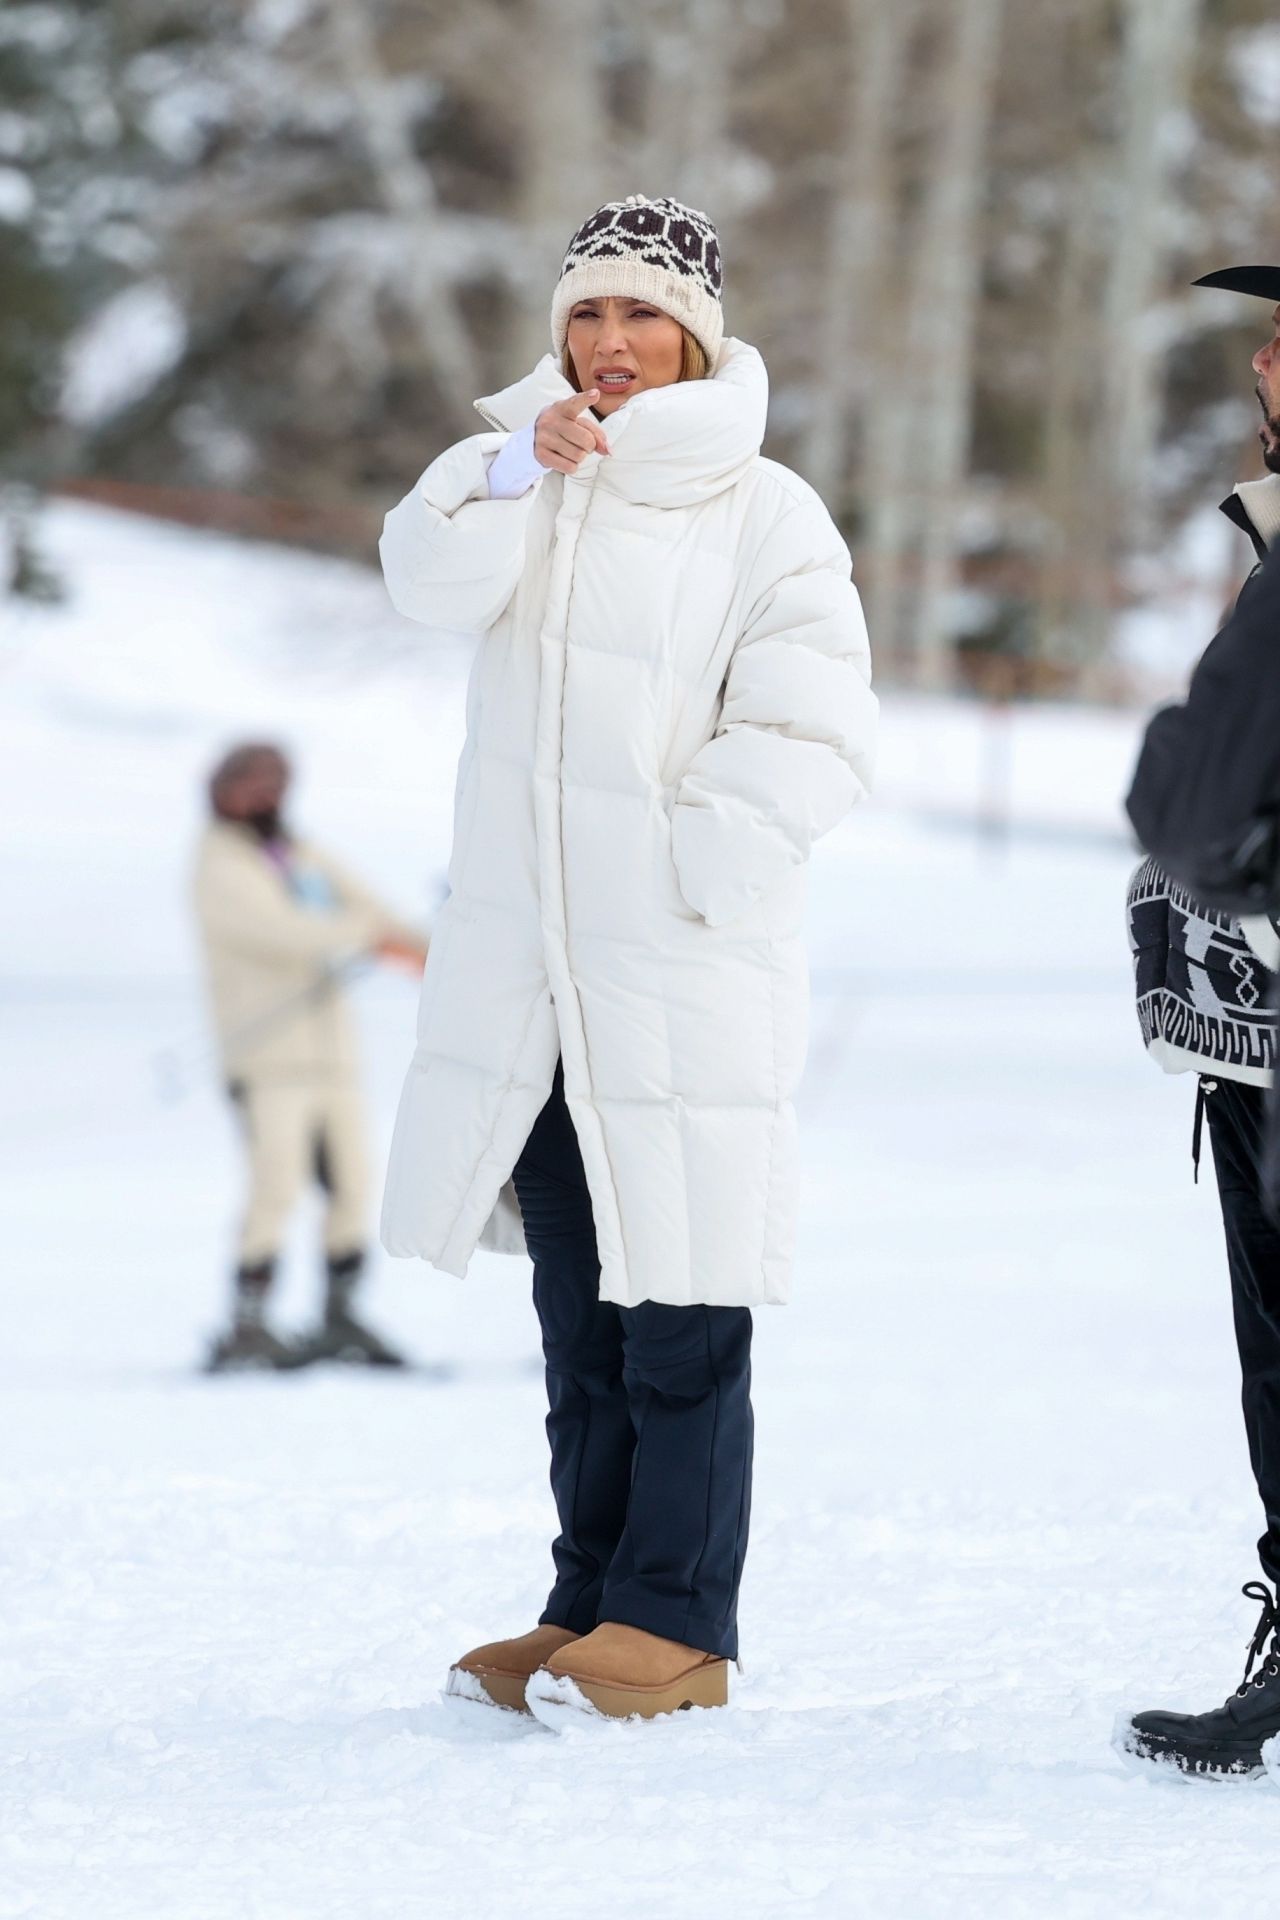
1227 1741
341 1336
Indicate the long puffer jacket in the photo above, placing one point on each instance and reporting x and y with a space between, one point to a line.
670 704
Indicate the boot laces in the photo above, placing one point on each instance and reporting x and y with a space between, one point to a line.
1268 1628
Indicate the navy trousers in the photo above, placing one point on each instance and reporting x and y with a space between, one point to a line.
1237 1124
649 1421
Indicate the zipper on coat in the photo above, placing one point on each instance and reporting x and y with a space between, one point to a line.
1203 1089
493 420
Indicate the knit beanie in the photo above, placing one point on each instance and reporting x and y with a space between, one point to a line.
656 250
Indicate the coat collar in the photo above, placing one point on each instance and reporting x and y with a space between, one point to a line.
520 404
1254 507
670 447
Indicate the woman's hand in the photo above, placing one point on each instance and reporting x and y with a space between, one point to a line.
562 439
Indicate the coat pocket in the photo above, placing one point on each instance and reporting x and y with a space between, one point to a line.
673 897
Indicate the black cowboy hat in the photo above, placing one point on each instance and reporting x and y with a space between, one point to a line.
1264 281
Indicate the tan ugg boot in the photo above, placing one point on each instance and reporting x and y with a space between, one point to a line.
496 1675
621 1671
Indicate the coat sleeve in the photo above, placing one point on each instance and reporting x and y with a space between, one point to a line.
1206 792
795 744
352 895
244 909
451 556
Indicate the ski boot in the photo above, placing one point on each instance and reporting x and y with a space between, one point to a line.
341 1336
249 1346
1226 1742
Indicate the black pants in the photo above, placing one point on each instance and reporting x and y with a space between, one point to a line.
650 1425
1237 1120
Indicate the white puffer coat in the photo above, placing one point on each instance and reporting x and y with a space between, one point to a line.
670 704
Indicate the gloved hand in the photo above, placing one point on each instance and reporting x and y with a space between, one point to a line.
402 953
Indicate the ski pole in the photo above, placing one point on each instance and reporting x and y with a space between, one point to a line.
175 1074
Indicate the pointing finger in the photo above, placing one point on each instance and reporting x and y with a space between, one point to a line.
577 402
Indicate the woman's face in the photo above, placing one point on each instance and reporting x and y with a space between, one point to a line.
623 346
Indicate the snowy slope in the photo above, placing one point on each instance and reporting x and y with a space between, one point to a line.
1001 1491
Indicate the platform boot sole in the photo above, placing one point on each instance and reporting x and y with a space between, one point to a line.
558 1699
503 1691
1149 1753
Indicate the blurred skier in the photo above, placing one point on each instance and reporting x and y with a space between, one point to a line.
283 927
1205 801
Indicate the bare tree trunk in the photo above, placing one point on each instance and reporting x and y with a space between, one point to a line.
859 269
1074 585
888 416
886 471
1104 366
409 192
661 137
684 140
1074 582
567 169
1160 40
919 411
943 315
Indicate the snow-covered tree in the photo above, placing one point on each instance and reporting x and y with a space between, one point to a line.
277 246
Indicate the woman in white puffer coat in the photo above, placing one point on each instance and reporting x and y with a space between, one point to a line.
670 704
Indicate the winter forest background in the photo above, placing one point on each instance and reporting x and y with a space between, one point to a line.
259 256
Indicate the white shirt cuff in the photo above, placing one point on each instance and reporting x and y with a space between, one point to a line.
515 468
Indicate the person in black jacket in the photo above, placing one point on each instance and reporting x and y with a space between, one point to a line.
1205 801
1205 798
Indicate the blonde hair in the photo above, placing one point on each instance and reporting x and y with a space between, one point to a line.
694 364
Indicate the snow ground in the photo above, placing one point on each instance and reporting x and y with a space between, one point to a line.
1002 1486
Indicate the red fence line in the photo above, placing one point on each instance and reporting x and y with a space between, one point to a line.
331 529
353 530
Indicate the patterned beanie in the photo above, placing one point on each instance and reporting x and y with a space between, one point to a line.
656 250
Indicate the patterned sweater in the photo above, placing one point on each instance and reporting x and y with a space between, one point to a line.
1204 992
